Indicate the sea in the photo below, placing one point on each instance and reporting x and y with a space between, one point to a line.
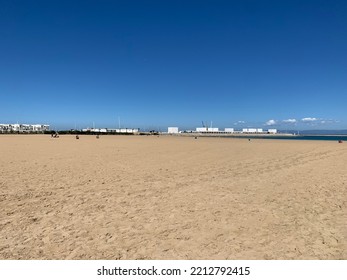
300 137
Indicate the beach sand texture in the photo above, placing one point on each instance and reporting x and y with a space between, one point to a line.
149 197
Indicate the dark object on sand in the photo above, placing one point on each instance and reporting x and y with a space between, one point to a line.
340 141
196 137
249 139
77 137
97 136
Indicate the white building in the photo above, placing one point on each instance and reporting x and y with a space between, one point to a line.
23 128
272 130
172 130
229 130
124 130
111 130
207 129
252 130
201 129
249 130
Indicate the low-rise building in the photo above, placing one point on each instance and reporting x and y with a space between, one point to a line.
252 130
207 129
111 130
172 130
272 130
23 128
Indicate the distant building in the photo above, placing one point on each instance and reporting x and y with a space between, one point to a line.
172 130
111 130
229 130
249 130
207 129
201 129
272 130
253 130
23 128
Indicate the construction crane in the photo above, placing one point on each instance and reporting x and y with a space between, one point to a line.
205 126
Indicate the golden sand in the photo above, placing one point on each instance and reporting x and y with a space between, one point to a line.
149 197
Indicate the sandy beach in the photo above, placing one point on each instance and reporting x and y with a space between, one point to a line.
149 197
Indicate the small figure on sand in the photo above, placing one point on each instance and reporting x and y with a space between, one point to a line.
55 135
97 136
77 137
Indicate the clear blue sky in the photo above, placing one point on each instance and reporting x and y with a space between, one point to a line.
165 63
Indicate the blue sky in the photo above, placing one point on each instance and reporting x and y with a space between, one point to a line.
154 64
